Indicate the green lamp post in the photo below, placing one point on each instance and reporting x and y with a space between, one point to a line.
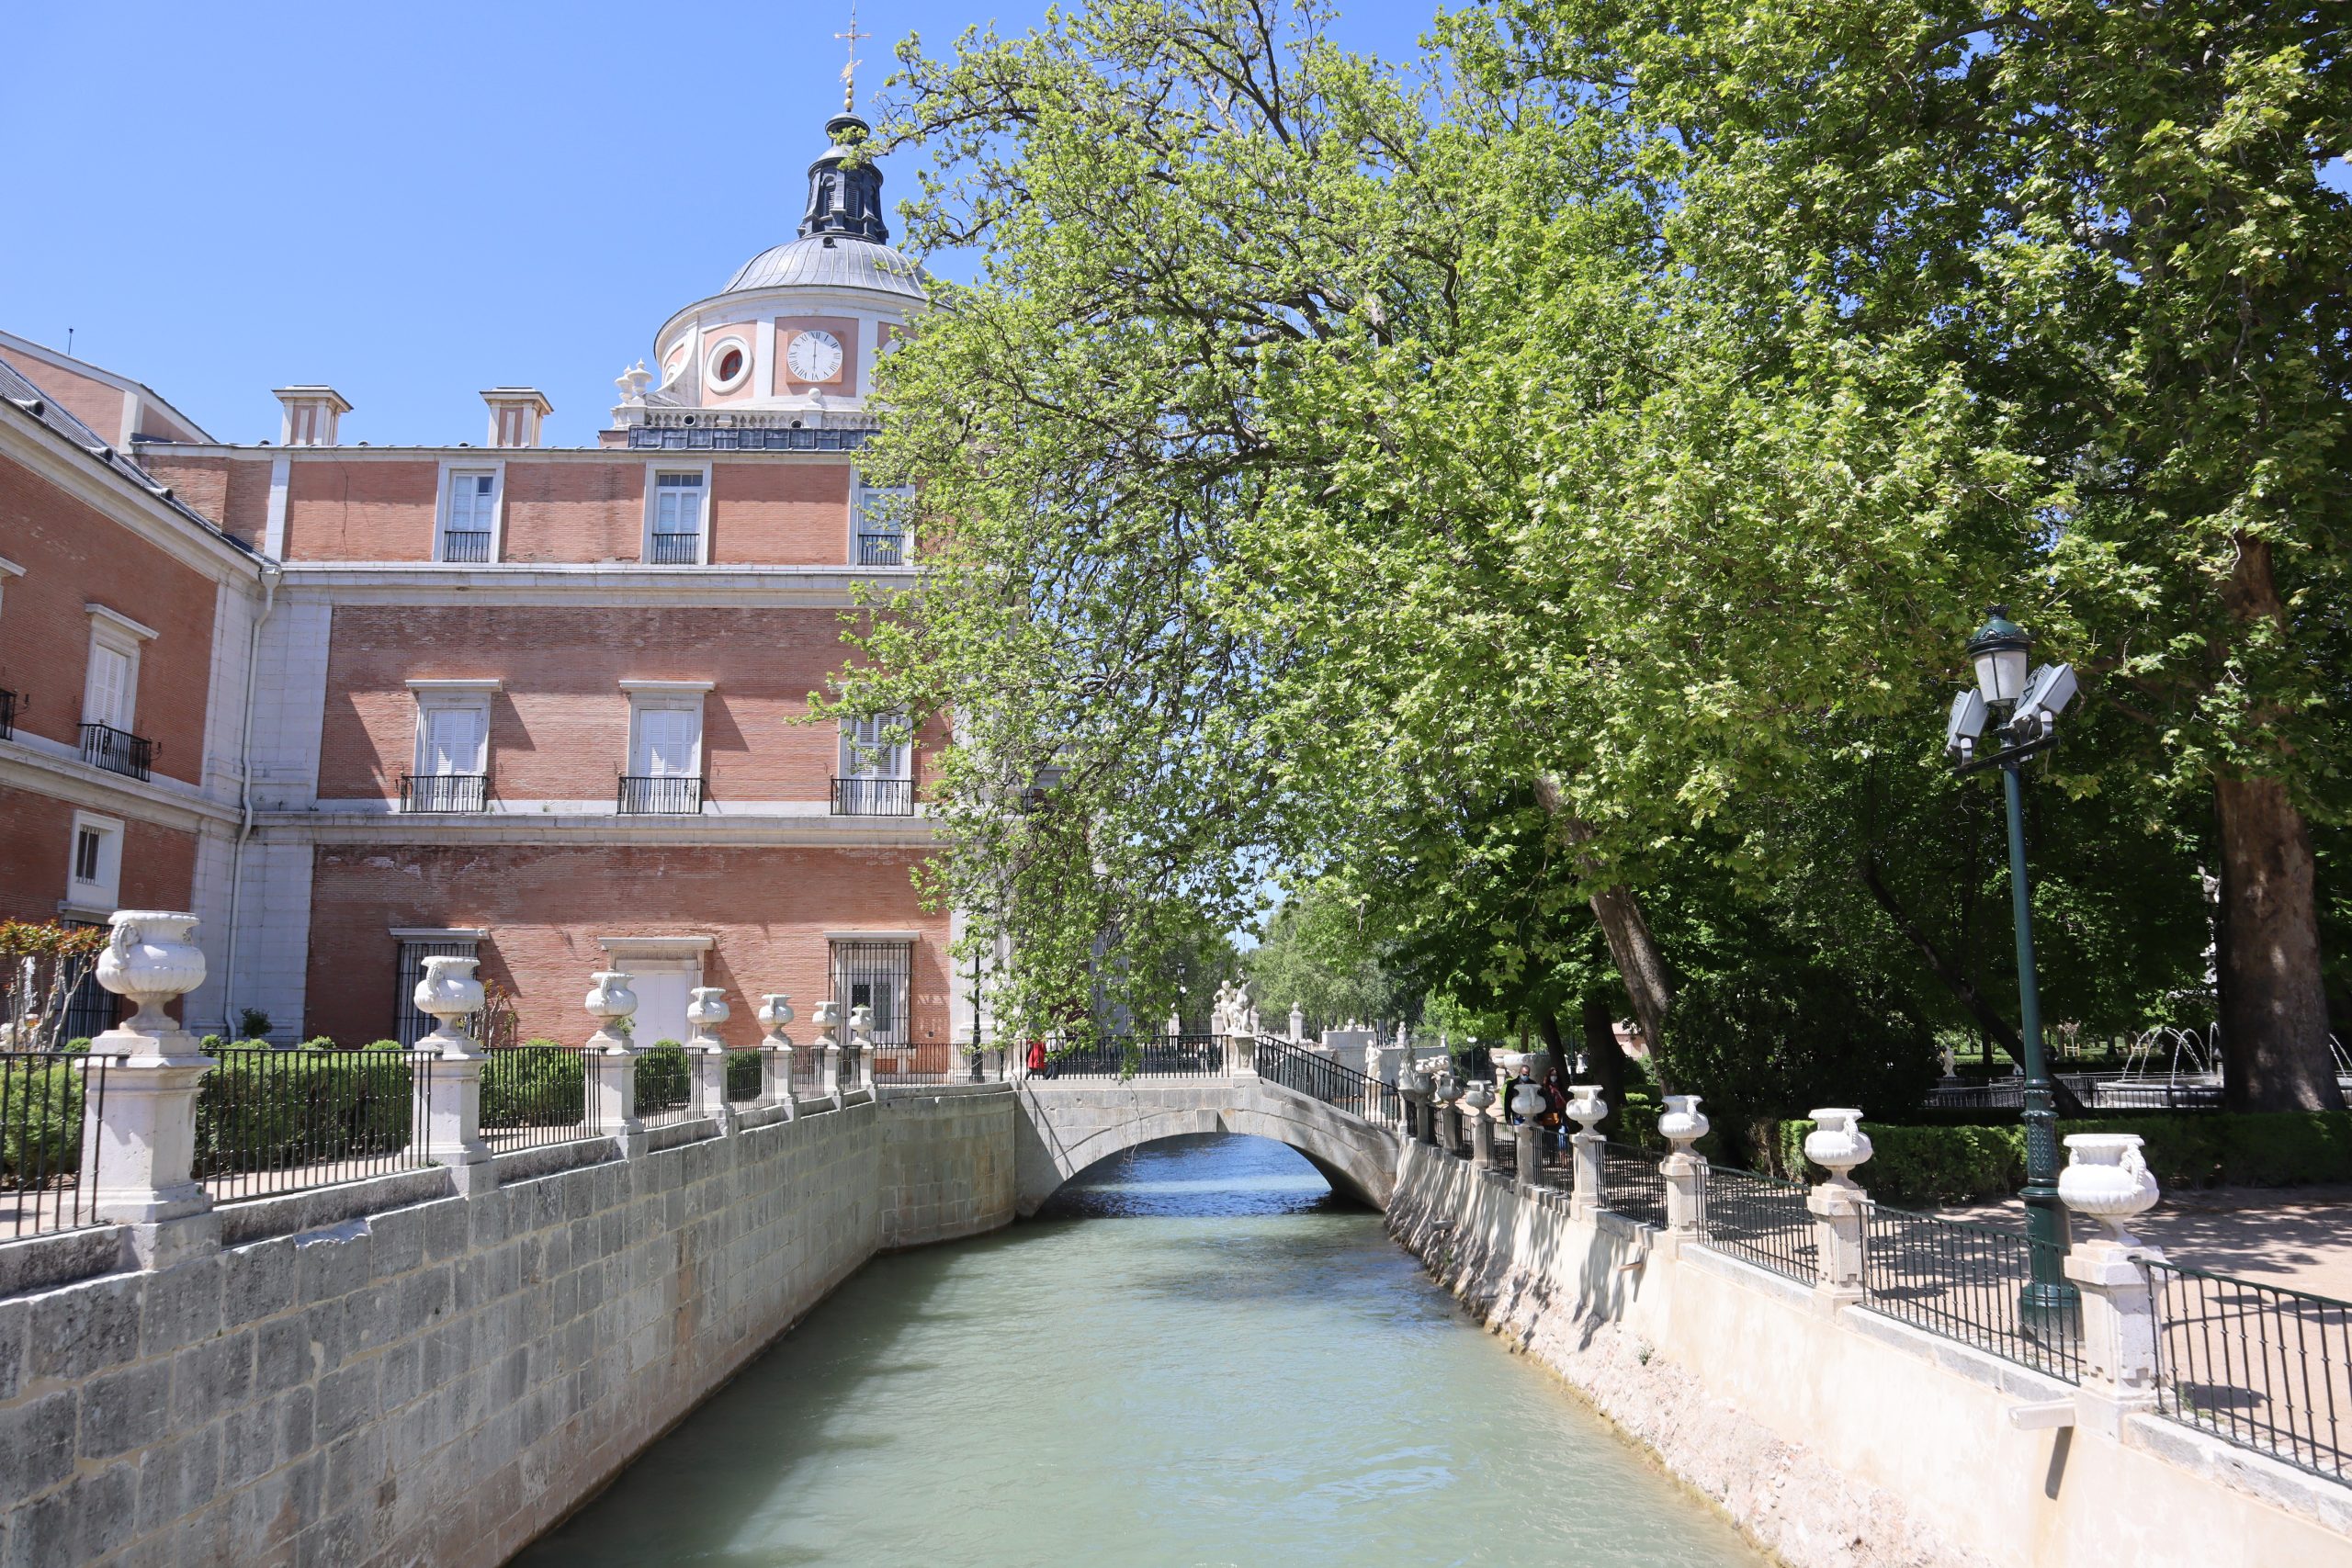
2024 708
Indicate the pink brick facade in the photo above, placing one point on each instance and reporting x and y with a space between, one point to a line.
37 846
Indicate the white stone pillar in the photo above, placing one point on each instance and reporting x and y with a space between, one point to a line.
828 1017
1685 1169
775 1053
707 1058
1475 1102
138 1099
1297 1025
451 1062
1837 1144
860 1050
2108 1180
1587 1109
612 1063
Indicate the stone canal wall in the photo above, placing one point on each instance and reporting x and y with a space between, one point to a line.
1839 1439
437 1381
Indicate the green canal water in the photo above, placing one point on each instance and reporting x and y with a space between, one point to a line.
1197 1357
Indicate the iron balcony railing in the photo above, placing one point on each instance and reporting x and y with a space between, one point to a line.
647 795
677 549
874 797
117 751
8 715
881 549
444 792
1151 1055
466 547
705 439
2263 1367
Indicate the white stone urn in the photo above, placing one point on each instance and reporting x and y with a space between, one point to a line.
151 957
774 1012
1513 1064
1527 1101
861 1024
448 992
707 1011
610 1001
1681 1125
1837 1143
1585 1108
1477 1097
2106 1179
827 1016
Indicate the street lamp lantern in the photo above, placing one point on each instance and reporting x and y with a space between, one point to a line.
1998 650
2026 709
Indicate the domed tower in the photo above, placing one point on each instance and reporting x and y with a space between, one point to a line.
787 348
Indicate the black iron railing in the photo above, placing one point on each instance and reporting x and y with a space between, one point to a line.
664 1081
881 549
658 796
808 1072
8 701
444 792
874 797
1763 1220
533 1094
47 1098
270 1120
1334 1083
676 549
940 1063
645 438
1966 1282
2261 1366
117 751
465 547
1631 1185
742 1075
1147 1055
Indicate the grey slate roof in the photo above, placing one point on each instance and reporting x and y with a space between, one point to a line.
34 403
823 261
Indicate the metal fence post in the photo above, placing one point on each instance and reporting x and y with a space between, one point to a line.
448 1132
138 1130
706 1059
2108 1180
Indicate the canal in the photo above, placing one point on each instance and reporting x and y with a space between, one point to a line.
1197 1356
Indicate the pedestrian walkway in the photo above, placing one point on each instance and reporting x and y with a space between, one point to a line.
2297 1236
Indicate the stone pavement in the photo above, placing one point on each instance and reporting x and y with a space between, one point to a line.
2296 1236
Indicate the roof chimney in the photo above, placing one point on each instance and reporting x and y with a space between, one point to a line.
514 415
310 415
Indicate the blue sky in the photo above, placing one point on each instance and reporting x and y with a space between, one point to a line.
411 203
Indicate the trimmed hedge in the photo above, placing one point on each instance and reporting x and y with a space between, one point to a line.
1950 1165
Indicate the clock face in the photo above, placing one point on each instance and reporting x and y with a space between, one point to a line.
814 356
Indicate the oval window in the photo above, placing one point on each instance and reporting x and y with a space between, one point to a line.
730 365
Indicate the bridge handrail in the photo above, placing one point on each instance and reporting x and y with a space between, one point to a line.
1334 1083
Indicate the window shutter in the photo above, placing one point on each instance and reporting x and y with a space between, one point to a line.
453 737
107 701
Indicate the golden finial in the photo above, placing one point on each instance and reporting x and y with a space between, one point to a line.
849 71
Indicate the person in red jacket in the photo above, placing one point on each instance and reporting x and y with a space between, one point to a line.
1039 1062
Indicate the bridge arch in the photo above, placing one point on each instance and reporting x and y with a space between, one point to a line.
1065 1127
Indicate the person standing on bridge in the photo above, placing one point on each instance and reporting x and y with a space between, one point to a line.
1041 1063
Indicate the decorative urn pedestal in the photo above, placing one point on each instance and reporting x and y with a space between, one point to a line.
776 1051
612 1063
1837 1144
450 1064
1445 1090
706 1008
1587 1110
1685 1170
827 1016
138 1102
2107 1179
1475 1101
1527 1105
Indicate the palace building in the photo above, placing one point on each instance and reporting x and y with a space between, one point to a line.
358 705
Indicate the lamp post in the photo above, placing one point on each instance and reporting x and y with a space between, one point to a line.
2026 708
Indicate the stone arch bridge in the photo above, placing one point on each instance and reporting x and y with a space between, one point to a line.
1343 1123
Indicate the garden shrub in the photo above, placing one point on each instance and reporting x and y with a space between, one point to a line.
661 1076
532 1088
40 1134
265 1110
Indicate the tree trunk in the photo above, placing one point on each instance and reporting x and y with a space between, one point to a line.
1634 951
1604 1058
1995 1026
2274 1001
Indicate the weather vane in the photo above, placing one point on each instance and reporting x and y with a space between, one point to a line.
849 71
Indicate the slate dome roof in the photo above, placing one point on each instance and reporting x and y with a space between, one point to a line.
830 261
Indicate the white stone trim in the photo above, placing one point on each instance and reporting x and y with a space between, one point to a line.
658 946
480 463
105 890
486 684
120 622
36 762
712 380
668 688
874 936
653 471
439 933
597 824
281 477
10 569
587 585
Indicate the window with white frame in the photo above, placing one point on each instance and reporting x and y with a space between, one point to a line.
664 747
468 514
876 768
110 686
882 514
677 521
450 771
94 872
